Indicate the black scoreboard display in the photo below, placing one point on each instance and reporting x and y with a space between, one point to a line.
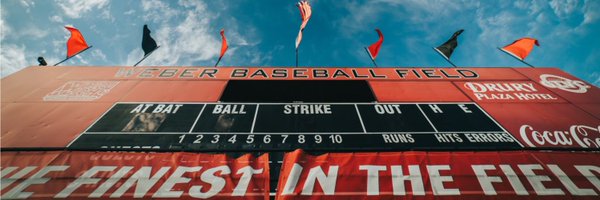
288 126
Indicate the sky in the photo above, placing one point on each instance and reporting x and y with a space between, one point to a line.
262 33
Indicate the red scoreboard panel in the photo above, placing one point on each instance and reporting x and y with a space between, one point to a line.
494 120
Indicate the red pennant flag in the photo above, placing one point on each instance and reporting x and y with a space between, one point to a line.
76 43
223 44
305 13
520 48
374 48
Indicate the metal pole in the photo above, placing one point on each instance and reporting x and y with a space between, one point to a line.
218 61
369 54
72 56
516 57
443 56
145 56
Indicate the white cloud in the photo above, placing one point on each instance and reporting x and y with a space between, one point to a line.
12 58
521 4
189 34
57 19
33 32
78 8
591 11
105 14
4 28
98 54
191 40
416 12
563 8
157 11
594 78
129 12
28 4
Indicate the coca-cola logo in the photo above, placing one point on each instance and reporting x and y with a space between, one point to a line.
558 82
582 135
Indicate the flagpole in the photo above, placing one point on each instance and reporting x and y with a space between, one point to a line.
296 57
145 56
369 54
443 56
451 63
73 55
218 61
511 55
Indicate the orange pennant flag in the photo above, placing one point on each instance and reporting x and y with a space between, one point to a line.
76 43
223 44
305 14
521 47
374 48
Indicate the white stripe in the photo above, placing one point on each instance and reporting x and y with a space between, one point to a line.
254 120
508 52
435 129
197 118
436 49
360 118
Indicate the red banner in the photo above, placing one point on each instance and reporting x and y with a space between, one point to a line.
445 175
82 175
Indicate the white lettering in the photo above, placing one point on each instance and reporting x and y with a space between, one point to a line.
6 182
568 183
437 180
86 178
398 179
484 180
217 183
435 108
372 177
558 82
292 180
110 182
165 190
536 180
513 179
464 108
242 186
586 171
37 178
327 182
143 181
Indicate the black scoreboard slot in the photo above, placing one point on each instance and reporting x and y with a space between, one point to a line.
458 117
307 118
288 126
394 118
226 118
297 91
148 117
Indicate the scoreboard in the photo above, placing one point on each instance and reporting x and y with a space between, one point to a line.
288 126
299 133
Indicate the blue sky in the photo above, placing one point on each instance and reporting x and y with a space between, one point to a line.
262 33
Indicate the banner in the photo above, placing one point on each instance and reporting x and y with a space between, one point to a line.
83 175
440 175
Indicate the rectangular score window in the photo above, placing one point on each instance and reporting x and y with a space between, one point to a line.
297 91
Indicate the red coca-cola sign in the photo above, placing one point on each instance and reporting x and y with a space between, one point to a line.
548 125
